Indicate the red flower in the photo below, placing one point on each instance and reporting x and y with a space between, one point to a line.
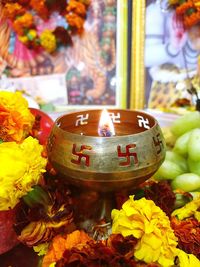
188 233
162 194
113 252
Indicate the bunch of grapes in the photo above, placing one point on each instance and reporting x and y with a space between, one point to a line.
182 163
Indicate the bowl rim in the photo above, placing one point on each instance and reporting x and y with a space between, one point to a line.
70 134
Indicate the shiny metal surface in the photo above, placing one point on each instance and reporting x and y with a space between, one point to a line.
106 163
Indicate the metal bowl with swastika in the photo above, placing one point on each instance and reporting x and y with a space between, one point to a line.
106 163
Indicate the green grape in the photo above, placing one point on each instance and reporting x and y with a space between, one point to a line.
194 166
186 123
181 144
178 159
168 171
194 145
186 182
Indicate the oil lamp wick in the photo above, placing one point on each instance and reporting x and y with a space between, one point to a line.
105 127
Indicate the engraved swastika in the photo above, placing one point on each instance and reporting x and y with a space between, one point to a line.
81 155
115 118
127 155
81 120
158 143
142 122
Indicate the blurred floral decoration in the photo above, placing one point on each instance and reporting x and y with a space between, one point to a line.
23 164
187 10
34 23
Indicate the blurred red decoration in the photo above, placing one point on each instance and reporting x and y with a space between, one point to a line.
8 235
45 124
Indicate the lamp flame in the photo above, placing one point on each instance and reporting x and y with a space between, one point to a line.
106 127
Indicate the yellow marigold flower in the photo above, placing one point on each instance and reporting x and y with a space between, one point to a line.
187 260
16 120
23 39
32 34
21 167
48 41
151 226
189 210
196 3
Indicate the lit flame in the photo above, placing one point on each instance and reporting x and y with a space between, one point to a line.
106 127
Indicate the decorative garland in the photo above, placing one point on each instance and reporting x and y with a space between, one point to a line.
187 10
45 24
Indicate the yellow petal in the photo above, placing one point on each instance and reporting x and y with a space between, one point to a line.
187 260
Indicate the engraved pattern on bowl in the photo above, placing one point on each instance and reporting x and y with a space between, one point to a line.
106 163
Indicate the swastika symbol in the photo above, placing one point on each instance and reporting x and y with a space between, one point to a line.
115 118
81 120
158 143
127 155
81 155
142 122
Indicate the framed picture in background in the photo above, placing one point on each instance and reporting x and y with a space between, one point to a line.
165 53
90 73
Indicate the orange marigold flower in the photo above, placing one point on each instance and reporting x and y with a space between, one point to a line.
180 10
61 243
16 119
40 7
188 234
26 20
76 7
10 11
112 252
75 21
191 20
23 22
18 28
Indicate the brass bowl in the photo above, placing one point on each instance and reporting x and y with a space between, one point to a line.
106 164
